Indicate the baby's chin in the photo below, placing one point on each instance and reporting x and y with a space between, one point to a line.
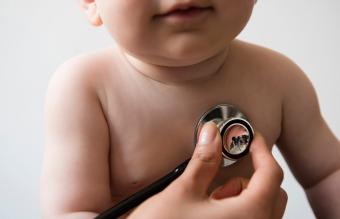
189 56
177 54
175 59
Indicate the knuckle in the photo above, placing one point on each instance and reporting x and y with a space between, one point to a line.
180 187
284 195
205 156
259 139
278 172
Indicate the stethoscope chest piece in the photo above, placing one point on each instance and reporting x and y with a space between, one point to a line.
235 130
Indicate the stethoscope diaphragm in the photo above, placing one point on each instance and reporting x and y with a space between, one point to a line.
235 130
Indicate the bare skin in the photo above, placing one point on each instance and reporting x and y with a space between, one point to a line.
115 123
125 125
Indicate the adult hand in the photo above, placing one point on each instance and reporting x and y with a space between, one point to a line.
187 197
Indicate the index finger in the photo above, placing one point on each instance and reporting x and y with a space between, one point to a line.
266 180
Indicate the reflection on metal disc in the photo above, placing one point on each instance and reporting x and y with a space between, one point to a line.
236 139
235 130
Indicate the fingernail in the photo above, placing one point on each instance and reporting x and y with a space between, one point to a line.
208 133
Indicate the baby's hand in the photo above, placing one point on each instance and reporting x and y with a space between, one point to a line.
187 197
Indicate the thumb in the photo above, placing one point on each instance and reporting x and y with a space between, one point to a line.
205 161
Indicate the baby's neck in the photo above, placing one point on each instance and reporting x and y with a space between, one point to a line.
177 75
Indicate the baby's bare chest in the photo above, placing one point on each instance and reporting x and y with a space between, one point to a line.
151 134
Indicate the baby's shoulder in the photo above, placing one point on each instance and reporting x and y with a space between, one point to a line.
85 68
269 66
81 80
87 73
265 59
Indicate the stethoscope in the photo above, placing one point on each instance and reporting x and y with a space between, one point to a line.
236 134
235 130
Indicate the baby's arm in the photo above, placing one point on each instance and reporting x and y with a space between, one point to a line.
310 148
75 178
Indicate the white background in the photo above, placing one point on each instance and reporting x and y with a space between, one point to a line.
37 36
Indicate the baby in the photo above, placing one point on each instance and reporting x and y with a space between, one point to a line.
120 118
